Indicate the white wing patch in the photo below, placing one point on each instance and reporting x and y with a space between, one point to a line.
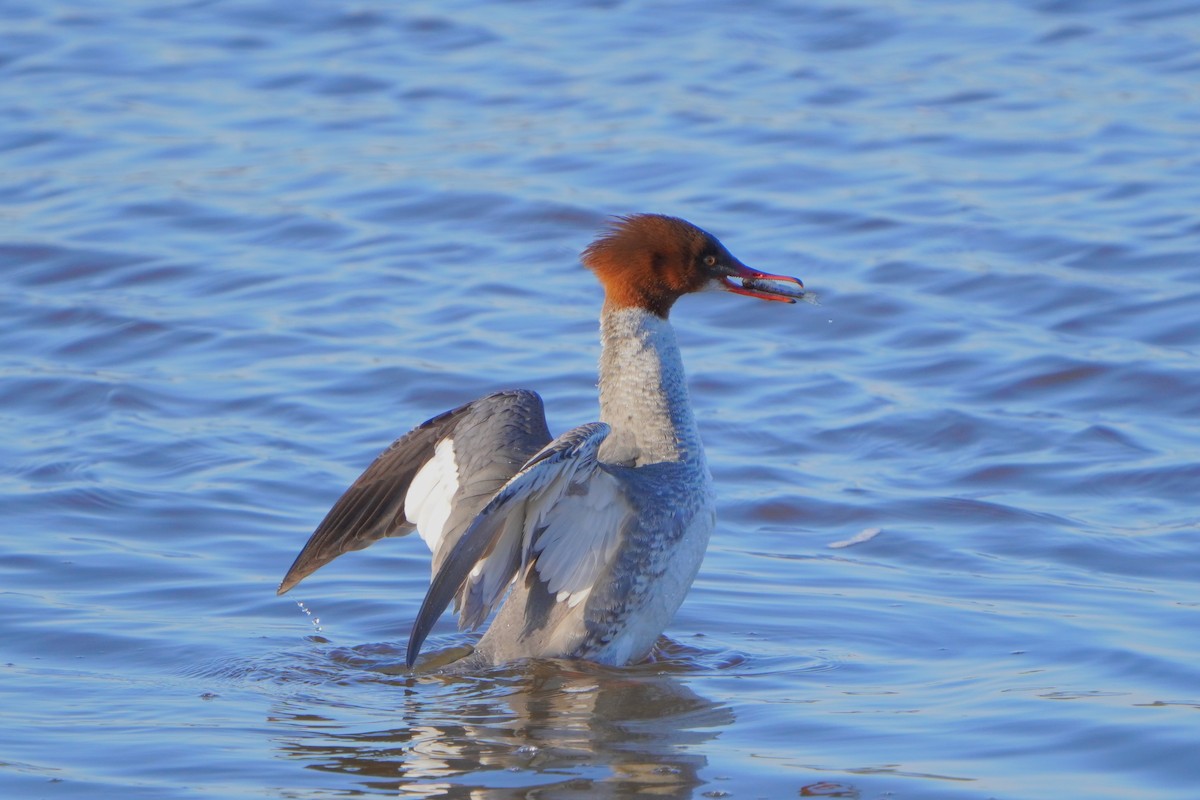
431 494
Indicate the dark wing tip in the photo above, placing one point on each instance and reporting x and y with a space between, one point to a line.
445 584
317 552
415 640
436 600
301 568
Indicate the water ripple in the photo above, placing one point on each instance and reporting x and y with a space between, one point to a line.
246 246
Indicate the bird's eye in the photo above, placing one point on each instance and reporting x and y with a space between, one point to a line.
710 261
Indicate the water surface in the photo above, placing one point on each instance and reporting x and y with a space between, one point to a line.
246 245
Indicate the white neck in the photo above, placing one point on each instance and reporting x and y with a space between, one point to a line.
643 391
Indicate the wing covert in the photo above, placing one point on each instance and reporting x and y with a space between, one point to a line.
505 535
424 480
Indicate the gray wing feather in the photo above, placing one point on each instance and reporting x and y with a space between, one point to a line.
506 429
497 534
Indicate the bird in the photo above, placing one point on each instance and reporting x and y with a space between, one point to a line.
588 541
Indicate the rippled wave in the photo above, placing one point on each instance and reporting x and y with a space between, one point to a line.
245 246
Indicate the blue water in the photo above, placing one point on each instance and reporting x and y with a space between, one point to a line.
246 245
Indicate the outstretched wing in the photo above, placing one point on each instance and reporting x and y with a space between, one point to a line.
435 478
562 513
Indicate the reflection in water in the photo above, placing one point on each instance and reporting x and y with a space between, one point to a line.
550 725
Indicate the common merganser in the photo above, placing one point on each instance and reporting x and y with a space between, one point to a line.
595 536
